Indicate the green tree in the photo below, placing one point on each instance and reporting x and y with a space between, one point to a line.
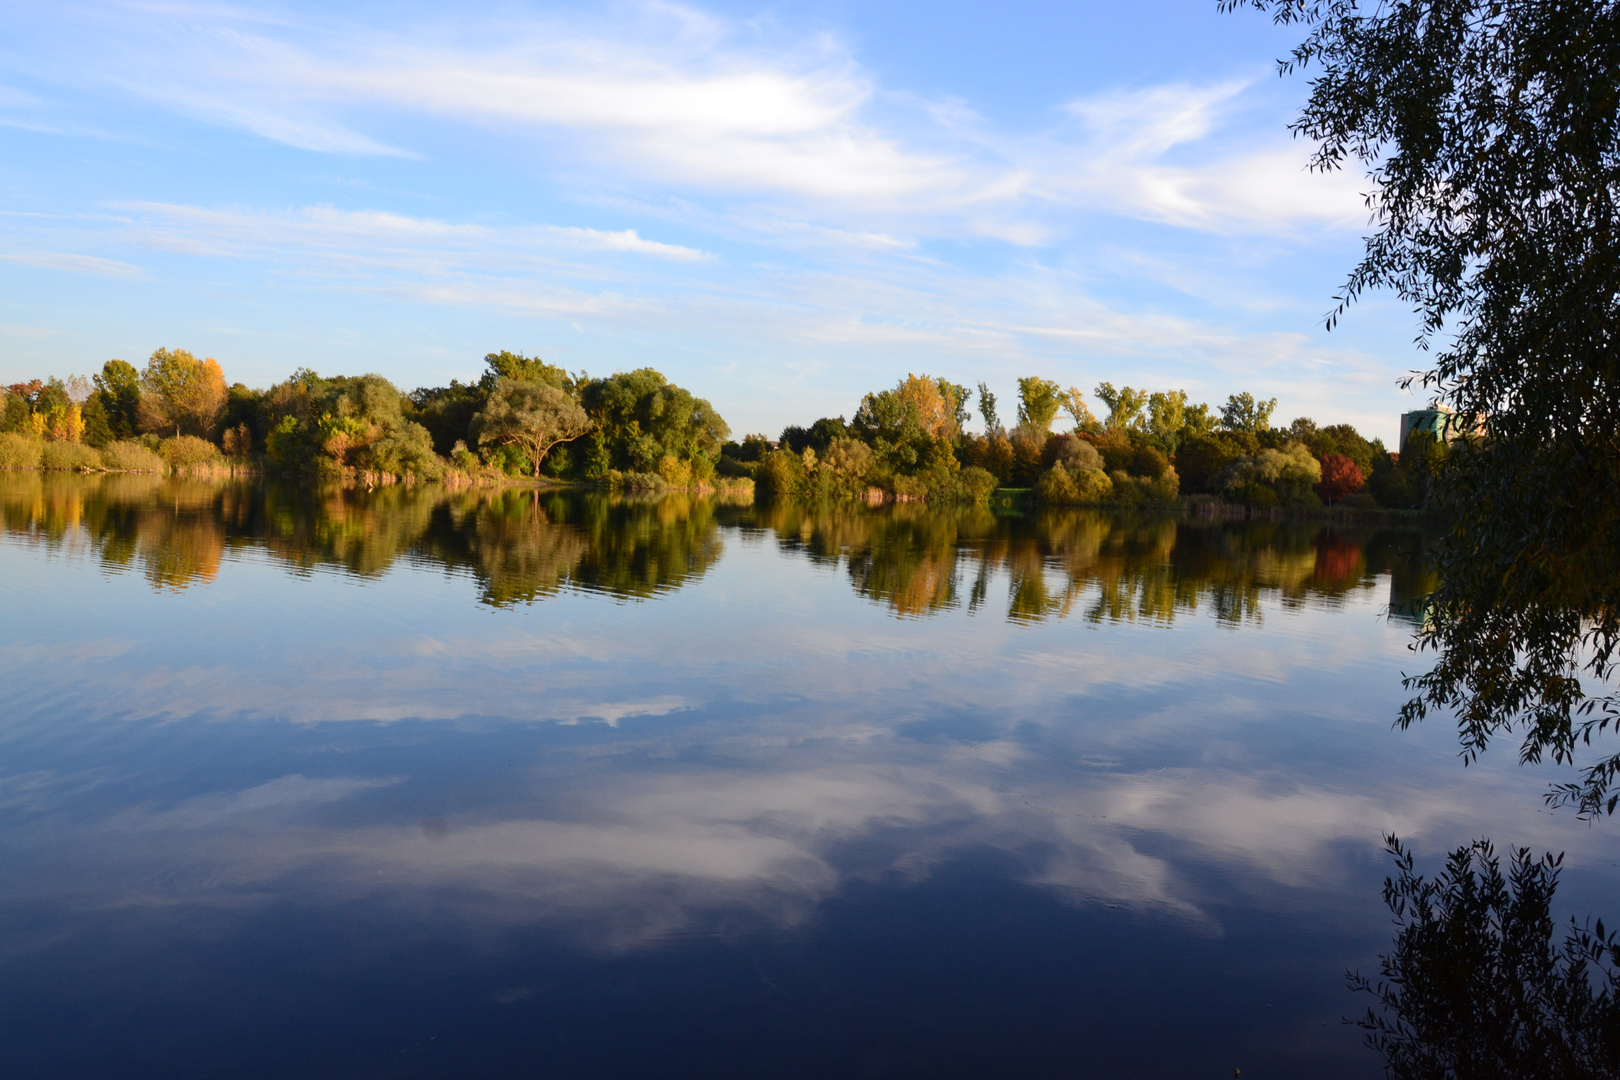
1272 478
1490 130
753 448
826 431
956 398
893 424
403 449
1125 406
1167 419
987 409
97 431
914 431
1244 412
243 406
1038 402
641 416
447 411
599 457
16 405
345 422
817 436
1201 458
118 390
1197 421
535 416
846 464
520 368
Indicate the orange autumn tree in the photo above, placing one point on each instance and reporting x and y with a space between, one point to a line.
937 404
1340 477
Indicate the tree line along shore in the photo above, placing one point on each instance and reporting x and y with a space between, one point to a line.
525 418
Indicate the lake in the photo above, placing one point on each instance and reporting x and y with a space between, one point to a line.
415 782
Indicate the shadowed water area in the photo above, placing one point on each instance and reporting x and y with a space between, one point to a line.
428 783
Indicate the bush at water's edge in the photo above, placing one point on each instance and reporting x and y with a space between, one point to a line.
127 455
69 456
19 451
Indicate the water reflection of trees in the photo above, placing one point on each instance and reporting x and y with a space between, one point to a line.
906 556
523 545
520 545
168 530
510 543
1476 985
1096 566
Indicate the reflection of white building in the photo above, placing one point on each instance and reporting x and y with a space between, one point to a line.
1439 421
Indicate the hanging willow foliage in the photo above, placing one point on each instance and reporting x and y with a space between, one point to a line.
1489 132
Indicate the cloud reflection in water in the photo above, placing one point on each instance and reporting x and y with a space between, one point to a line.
755 742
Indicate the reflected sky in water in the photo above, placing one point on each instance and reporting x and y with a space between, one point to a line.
430 783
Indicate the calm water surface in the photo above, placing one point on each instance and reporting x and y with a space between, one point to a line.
420 783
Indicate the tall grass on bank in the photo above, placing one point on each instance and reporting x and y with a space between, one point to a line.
19 451
187 455
69 455
188 451
653 483
127 455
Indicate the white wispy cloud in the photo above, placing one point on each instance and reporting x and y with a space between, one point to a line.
72 263
236 231
38 332
717 190
891 300
666 94
10 97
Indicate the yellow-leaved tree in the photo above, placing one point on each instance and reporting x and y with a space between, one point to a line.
181 394
65 423
938 404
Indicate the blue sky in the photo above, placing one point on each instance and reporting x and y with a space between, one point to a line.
781 206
